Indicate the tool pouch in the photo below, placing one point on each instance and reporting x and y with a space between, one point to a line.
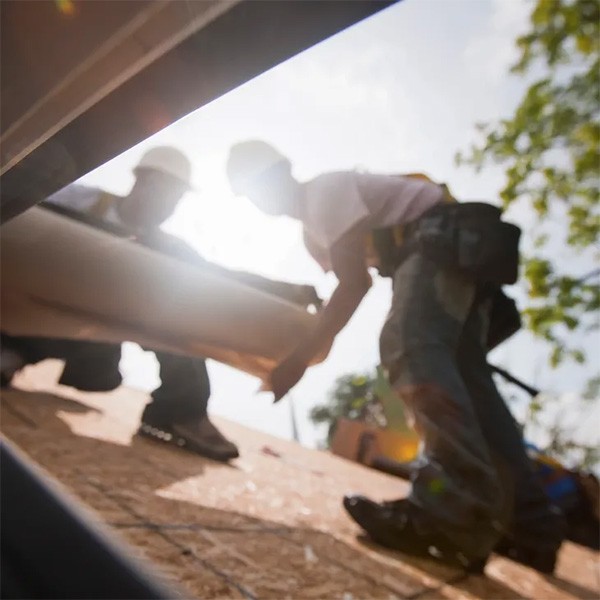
505 319
471 237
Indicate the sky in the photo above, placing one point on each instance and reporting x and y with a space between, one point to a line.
399 92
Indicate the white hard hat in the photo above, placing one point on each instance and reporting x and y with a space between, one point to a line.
169 160
247 160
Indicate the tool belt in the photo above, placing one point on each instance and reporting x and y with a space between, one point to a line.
470 237
504 318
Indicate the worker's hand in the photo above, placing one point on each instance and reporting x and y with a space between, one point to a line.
286 375
308 297
303 295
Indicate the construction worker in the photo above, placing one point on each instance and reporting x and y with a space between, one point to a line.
177 412
474 484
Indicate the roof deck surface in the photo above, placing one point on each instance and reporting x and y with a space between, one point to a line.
269 525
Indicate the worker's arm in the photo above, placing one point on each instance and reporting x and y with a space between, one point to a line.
350 267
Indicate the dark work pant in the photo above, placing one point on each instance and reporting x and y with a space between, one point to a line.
473 473
94 366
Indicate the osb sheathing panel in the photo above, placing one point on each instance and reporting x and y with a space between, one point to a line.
270 525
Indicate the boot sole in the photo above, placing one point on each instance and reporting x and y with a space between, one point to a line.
171 438
384 536
540 560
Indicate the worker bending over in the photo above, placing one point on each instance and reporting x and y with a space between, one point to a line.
474 484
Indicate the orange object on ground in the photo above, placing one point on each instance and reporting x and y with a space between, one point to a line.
362 442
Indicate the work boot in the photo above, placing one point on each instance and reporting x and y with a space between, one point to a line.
199 436
400 525
540 558
535 544
536 549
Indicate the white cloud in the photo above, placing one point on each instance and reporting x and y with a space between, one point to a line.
491 51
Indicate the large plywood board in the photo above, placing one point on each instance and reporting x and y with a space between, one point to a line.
63 279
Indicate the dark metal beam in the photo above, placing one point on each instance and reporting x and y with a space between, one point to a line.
50 549
242 43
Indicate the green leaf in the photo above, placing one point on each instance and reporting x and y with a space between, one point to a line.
549 148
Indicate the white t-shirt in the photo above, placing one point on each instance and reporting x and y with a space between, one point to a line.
335 203
82 199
